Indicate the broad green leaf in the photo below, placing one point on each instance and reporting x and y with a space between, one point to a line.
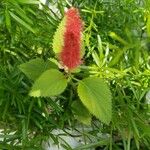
50 83
19 20
81 113
58 40
34 68
96 96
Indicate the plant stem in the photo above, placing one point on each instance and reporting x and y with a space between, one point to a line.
110 147
129 139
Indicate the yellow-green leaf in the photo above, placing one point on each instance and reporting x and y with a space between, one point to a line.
35 67
96 96
81 113
50 83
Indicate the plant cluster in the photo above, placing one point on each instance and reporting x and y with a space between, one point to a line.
102 85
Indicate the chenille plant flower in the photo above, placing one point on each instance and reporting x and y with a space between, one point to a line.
68 40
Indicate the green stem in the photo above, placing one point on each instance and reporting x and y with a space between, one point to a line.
75 79
110 147
129 140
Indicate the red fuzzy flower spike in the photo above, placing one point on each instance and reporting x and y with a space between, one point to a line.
70 55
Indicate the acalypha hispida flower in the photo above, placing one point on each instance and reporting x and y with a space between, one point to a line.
68 40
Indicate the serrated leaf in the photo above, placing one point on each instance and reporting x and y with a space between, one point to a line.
81 113
35 67
96 96
58 40
50 83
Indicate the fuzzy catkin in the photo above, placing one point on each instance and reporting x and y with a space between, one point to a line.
70 56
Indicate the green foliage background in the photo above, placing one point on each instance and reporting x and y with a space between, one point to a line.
116 37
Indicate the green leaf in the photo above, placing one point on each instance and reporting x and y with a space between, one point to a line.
19 20
82 45
96 58
50 83
96 96
81 113
22 14
28 1
34 68
114 36
100 47
148 24
118 54
7 20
